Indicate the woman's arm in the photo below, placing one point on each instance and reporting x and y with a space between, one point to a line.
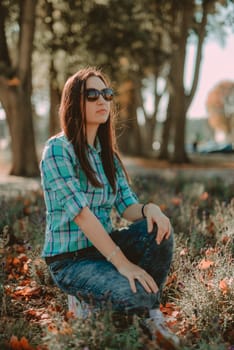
153 215
96 233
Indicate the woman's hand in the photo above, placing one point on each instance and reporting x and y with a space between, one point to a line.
133 272
154 215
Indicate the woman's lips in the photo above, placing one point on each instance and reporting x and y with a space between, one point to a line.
102 110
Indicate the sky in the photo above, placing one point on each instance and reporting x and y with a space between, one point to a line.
217 65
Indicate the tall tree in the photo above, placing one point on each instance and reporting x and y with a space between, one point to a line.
130 46
16 84
132 40
191 18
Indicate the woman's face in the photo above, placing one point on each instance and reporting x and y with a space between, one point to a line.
97 112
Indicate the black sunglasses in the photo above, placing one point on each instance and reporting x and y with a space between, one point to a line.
93 94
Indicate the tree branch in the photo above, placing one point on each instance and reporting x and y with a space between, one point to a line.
4 52
27 27
201 37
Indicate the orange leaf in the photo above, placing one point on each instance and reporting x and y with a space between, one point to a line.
176 200
25 268
52 328
20 249
15 343
204 196
205 264
69 315
171 278
168 309
225 239
223 286
211 228
25 344
16 261
28 291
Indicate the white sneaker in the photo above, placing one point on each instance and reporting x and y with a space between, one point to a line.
159 331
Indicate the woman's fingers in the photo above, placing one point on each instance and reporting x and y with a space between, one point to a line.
132 284
168 233
154 215
163 231
133 272
150 224
144 284
147 282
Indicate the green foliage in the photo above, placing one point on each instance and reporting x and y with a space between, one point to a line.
96 333
11 209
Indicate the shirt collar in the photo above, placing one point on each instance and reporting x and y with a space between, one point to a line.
96 147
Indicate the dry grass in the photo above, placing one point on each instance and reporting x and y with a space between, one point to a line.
199 290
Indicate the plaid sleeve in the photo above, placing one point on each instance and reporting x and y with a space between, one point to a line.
58 175
124 196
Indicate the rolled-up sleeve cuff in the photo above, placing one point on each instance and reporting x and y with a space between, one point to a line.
124 203
71 199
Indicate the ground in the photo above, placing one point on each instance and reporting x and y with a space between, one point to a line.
201 164
28 287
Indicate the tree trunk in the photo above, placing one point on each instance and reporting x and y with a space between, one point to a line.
179 152
151 120
54 123
150 125
166 132
183 98
128 130
15 95
19 116
178 107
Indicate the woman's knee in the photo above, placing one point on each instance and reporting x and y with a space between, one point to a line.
168 243
129 301
140 229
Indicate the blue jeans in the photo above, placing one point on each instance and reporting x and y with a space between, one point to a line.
96 281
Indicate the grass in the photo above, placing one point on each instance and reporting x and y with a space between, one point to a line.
199 292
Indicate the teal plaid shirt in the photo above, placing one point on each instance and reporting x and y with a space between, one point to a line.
67 190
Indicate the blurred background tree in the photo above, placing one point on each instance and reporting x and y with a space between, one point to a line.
220 108
141 44
17 23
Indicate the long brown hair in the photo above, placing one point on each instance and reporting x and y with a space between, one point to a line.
73 123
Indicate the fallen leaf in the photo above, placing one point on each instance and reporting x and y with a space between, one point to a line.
16 261
211 227
184 251
205 264
52 328
204 196
22 344
176 200
14 343
25 344
171 279
223 286
28 291
225 239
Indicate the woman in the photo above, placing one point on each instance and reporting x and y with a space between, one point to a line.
83 179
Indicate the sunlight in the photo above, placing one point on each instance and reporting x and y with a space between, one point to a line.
216 66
